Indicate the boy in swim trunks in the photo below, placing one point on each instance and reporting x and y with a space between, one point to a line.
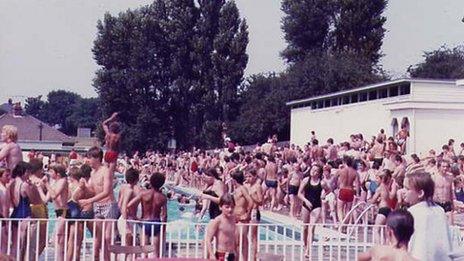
242 210
126 193
104 204
154 211
223 229
112 130
271 181
38 208
256 193
348 181
5 202
59 194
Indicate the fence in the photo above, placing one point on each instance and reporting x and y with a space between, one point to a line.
36 239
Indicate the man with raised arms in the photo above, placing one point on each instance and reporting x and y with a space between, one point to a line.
112 130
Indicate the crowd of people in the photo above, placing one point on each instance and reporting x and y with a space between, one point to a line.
317 183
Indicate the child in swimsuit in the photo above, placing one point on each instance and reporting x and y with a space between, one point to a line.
400 227
223 229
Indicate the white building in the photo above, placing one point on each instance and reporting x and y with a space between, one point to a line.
432 109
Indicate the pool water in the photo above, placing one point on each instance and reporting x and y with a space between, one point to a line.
182 223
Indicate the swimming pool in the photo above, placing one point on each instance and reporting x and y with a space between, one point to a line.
184 225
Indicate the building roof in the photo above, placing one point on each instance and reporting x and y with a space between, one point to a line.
29 130
6 107
369 87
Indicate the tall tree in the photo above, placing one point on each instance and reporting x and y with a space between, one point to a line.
306 25
35 107
60 105
358 28
176 65
65 109
443 63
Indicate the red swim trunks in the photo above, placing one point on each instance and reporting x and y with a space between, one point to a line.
111 156
346 195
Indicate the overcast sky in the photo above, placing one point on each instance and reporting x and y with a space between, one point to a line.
46 44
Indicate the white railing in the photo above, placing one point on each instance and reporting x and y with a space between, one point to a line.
36 239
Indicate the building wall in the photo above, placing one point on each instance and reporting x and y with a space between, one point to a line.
423 91
340 122
435 127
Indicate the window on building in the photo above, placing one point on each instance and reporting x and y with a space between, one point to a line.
327 103
313 105
354 98
334 101
363 96
383 93
394 91
373 95
346 99
394 125
405 89
320 104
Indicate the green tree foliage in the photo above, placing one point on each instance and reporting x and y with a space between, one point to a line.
358 28
339 26
306 25
35 106
172 69
333 45
263 112
443 63
65 109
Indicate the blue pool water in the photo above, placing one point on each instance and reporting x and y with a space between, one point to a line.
182 222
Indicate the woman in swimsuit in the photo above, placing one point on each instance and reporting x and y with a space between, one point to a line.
309 193
385 193
214 190
20 191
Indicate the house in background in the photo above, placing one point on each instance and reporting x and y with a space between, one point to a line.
432 111
34 134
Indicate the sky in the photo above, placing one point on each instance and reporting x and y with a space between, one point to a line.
46 44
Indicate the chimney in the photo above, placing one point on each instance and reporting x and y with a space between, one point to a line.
17 110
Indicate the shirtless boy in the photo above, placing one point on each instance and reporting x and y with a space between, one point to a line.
58 192
401 138
242 212
256 194
154 211
444 189
38 207
104 205
400 227
10 150
5 202
126 194
348 182
385 193
223 229
293 185
112 137
271 180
